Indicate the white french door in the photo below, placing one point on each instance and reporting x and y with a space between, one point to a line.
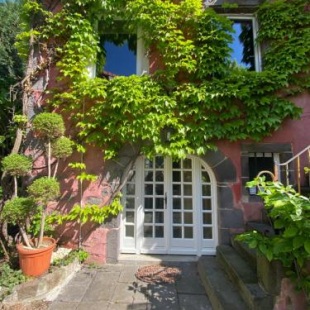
169 208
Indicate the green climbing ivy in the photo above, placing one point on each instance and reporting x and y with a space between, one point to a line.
197 93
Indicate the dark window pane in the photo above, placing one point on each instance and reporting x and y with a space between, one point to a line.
176 190
187 163
176 165
148 203
176 176
188 218
130 189
130 232
159 177
188 232
207 233
159 217
130 203
206 190
159 162
177 232
205 176
206 204
148 164
260 162
177 218
176 203
159 203
148 176
187 189
148 231
148 189
187 176
207 218
159 232
159 189
188 204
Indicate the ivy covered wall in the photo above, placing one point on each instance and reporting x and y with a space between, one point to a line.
196 92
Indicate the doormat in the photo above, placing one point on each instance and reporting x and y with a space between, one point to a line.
156 274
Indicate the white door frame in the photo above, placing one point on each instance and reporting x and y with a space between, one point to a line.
168 245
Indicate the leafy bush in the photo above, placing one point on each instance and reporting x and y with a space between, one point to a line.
9 278
44 190
79 254
48 125
62 147
16 164
18 209
290 214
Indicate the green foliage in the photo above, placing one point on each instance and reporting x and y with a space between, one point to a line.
197 94
89 213
9 278
17 164
48 125
62 147
78 254
35 224
290 213
18 209
11 71
288 40
44 190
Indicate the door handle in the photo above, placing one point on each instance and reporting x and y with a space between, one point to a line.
165 199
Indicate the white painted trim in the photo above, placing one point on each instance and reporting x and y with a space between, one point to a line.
257 48
197 246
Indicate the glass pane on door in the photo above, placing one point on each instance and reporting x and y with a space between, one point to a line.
207 212
182 197
154 203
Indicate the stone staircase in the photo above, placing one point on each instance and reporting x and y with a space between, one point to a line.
232 282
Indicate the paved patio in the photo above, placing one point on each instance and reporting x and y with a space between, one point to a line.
115 287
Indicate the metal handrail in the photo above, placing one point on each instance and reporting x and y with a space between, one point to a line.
296 157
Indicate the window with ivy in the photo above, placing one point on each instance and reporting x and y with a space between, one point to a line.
245 52
120 51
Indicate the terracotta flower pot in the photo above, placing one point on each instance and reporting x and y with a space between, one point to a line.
35 262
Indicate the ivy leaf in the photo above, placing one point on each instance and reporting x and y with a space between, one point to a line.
307 246
290 232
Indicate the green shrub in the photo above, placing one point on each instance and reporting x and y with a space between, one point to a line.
17 209
62 147
44 190
16 164
48 125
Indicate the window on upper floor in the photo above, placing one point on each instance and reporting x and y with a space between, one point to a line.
120 54
124 55
245 52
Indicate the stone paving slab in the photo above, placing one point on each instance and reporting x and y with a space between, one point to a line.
115 287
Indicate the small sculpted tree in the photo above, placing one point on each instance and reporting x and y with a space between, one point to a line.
48 127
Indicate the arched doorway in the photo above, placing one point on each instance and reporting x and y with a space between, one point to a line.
170 208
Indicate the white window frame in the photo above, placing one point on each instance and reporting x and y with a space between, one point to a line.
142 61
257 49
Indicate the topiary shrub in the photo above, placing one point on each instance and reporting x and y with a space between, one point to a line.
48 126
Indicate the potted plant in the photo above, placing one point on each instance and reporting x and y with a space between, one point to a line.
35 251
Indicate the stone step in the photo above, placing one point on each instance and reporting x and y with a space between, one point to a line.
250 255
222 293
240 272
